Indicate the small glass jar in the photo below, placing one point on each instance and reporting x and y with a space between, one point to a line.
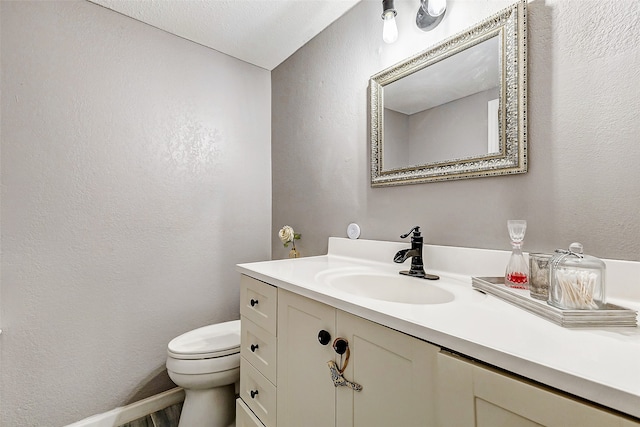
539 275
576 281
517 272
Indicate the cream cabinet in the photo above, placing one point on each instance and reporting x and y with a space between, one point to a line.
396 371
258 346
472 394
285 379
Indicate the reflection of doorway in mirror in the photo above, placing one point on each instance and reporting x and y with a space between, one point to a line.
493 139
396 137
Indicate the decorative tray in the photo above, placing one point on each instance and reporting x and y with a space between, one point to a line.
611 316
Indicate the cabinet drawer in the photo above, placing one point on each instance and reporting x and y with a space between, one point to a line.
263 401
259 348
258 303
244 416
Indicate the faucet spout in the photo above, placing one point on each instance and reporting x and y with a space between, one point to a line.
403 255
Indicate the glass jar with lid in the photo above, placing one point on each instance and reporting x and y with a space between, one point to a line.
576 280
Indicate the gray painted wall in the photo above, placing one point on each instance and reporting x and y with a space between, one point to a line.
135 175
583 182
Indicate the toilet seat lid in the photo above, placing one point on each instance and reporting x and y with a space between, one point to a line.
221 339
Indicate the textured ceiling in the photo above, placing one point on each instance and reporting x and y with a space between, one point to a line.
261 32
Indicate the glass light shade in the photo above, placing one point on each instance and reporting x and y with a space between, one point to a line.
389 28
436 7
430 14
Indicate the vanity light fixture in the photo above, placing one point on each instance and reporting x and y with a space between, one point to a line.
430 13
389 28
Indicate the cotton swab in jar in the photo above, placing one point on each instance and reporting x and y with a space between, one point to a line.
577 288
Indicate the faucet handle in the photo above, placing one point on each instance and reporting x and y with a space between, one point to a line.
415 230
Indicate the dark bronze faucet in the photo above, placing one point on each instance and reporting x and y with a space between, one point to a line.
415 252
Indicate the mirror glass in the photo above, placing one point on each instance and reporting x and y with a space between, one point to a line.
424 112
456 110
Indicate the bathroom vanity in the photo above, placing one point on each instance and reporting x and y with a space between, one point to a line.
448 356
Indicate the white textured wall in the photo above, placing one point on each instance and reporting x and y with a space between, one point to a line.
135 174
583 182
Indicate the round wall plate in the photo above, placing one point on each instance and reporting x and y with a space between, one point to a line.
353 230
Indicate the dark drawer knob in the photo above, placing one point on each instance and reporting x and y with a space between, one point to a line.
340 345
324 337
253 302
254 393
254 347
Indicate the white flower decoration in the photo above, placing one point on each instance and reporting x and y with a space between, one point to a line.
286 234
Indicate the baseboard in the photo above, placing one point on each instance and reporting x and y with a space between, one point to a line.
125 414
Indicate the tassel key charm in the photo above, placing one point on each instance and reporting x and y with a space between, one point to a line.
339 380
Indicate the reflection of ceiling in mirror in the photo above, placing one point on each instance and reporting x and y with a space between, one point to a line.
468 72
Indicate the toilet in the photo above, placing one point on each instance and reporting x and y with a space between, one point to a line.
205 362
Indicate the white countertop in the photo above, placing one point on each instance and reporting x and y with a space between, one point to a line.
600 365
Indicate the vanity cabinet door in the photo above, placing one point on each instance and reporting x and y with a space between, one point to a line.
306 394
396 372
471 394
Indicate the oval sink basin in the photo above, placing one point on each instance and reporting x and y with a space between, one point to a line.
392 288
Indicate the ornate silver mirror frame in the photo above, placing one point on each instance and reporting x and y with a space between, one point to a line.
509 26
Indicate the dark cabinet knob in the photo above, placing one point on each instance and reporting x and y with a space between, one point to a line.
324 337
340 345
254 393
254 347
253 302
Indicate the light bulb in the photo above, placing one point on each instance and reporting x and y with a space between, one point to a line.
436 7
389 28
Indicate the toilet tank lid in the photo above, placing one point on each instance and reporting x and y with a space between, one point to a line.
216 340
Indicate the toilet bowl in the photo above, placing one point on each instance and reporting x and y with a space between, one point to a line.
205 362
